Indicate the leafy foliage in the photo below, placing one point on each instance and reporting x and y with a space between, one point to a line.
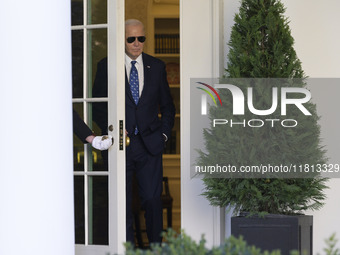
331 243
182 244
261 44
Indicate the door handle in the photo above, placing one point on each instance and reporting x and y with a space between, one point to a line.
110 128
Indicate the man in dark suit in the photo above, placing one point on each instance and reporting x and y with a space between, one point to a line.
147 95
148 133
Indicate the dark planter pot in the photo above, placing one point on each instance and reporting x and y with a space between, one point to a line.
275 232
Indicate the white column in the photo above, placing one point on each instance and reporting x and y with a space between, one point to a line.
200 58
36 182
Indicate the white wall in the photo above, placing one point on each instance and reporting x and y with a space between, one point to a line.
36 190
314 25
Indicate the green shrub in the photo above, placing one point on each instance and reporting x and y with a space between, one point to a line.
182 244
261 46
331 249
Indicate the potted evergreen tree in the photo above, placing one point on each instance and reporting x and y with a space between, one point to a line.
261 46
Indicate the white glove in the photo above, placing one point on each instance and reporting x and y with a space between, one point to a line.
102 142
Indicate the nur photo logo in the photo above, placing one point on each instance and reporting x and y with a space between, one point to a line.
204 97
242 101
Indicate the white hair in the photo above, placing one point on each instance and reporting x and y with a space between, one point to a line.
133 22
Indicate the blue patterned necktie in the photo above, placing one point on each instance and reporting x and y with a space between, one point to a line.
134 82
134 85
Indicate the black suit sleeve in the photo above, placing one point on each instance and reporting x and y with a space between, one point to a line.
100 90
80 128
167 107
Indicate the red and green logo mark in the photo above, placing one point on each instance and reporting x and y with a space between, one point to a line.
209 93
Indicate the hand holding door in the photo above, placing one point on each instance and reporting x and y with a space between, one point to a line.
102 142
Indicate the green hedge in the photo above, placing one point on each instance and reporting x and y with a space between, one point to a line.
182 244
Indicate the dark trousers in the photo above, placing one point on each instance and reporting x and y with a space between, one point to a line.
148 170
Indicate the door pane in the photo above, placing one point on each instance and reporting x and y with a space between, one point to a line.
97 40
97 12
77 11
98 210
98 122
78 145
79 209
77 63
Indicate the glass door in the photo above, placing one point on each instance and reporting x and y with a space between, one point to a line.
98 98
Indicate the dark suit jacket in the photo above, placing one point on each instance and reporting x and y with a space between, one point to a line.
155 99
80 128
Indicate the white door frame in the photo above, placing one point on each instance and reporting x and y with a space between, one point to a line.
116 93
116 118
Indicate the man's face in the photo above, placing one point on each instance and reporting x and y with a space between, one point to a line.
134 49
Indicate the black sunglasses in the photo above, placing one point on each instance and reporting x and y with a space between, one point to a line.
131 39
